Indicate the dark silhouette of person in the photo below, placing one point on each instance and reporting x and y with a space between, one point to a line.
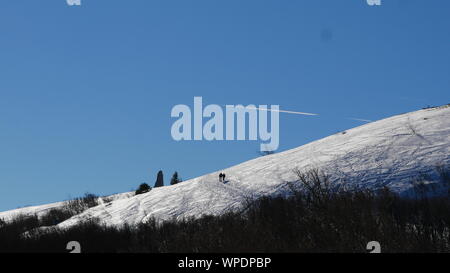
223 177
220 177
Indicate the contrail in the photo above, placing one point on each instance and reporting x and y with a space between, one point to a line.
360 119
285 111
302 113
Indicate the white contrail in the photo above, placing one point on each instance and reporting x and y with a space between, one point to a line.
302 113
285 111
360 119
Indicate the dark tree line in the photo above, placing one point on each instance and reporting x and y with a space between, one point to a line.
313 218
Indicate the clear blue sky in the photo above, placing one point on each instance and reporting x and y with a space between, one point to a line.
86 92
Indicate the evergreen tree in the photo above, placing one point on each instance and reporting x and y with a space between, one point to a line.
143 188
159 180
175 179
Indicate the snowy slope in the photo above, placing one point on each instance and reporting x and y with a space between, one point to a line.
43 209
390 152
28 211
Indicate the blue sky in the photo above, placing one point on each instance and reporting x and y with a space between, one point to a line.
86 92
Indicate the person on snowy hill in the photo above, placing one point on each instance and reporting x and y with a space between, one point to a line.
221 175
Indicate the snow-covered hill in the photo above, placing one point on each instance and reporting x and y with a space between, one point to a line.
44 209
390 152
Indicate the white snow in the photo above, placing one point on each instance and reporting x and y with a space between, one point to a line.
390 152
43 209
